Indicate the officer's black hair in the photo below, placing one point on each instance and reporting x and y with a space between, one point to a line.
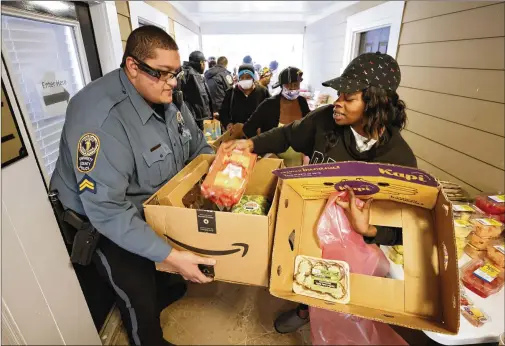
145 39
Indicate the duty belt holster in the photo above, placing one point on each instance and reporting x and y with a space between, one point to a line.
77 231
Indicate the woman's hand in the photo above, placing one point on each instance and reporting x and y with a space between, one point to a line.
243 144
359 216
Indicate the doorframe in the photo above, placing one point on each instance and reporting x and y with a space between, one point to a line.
388 14
107 35
142 12
14 12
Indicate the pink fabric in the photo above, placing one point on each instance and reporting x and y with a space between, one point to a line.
339 242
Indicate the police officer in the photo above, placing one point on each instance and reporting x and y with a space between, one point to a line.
195 89
219 80
122 140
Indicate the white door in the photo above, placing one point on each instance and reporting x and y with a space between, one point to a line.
187 41
47 64
42 301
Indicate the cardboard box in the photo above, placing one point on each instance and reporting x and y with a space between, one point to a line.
240 243
227 136
428 297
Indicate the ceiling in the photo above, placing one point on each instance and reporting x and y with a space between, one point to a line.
258 11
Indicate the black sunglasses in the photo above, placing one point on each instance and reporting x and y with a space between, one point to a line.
161 75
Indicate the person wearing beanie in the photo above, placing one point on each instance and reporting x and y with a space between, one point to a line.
211 62
274 67
265 77
247 60
242 100
363 124
219 80
281 109
195 90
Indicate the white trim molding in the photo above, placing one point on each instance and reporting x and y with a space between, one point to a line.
107 35
388 14
142 13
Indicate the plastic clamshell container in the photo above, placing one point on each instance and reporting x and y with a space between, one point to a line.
491 203
482 277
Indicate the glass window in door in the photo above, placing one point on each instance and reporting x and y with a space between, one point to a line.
374 41
43 61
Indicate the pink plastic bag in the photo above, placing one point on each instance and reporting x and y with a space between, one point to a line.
339 242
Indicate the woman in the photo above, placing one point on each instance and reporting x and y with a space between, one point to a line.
265 76
281 110
364 124
241 101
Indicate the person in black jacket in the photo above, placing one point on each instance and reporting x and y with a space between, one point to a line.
283 108
219 80
195 90
363 124
241 101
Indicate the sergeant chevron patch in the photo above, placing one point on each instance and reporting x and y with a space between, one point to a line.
87 184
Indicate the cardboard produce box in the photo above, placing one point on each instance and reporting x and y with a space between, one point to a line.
428 297
240 243
227 136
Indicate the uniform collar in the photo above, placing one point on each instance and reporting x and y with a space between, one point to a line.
143 109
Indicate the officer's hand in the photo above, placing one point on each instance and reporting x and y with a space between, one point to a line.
243 144
186 264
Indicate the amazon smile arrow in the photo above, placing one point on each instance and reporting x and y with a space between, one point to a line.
241 246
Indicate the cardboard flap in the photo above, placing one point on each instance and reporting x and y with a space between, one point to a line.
382 181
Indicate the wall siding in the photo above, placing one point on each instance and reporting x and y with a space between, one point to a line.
453 75
123 16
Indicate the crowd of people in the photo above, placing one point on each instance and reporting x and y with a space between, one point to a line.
134 132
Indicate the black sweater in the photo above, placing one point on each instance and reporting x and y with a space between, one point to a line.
268 113
237 107
319 137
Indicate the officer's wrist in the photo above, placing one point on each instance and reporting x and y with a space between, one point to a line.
171 256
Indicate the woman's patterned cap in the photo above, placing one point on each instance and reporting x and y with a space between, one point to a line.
369 69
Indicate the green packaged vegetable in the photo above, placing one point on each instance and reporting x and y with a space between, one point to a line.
253 205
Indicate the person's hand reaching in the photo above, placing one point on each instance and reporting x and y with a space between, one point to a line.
358 214
243 144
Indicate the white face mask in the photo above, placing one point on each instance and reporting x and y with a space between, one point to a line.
246 84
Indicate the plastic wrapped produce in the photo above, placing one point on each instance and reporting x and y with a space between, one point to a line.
462 228
491 203
254 205
486 227
496 253
482 277
478 242
228 177
473 252
463 211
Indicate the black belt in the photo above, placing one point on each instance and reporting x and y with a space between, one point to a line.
77 231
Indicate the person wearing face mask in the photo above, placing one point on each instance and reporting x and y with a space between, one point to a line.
242 100
364 124
195 90
281 110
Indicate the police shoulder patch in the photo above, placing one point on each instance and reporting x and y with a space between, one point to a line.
87 184
229 79
87 152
